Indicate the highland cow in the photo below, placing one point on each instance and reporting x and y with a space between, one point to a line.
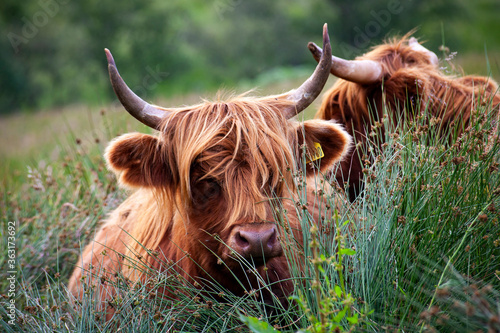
204 188
404 79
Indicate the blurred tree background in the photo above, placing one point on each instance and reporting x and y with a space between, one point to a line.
51 51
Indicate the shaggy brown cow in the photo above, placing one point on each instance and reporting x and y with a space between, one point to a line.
203 187
403 76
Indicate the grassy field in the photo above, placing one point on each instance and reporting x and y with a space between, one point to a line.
420 251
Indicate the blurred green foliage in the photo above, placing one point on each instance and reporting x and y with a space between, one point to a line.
51 51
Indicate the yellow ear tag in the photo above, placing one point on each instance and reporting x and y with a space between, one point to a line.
317 153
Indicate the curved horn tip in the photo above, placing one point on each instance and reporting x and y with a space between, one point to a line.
311 88
415 45
312 46
146 113
109 57
326 37
316 51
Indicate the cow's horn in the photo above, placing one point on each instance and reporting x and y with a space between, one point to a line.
146 113
311 88
415 45
358 71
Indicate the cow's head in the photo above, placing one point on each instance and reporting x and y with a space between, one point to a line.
217 164
400 73
402 77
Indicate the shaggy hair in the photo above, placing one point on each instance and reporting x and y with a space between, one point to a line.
242 145
410 84
213 167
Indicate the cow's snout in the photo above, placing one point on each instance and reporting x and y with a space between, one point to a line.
256 241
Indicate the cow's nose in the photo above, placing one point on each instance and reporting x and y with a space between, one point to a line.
256 241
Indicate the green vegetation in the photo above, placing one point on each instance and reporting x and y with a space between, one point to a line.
51 51
420 251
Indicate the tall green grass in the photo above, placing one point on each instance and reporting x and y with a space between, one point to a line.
419 250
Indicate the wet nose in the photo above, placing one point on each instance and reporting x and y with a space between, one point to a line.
257 241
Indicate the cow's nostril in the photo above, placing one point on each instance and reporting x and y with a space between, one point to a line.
241 241
272 239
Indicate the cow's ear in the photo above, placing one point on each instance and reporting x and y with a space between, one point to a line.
137 161
323 143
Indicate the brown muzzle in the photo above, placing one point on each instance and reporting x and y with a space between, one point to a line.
257 242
